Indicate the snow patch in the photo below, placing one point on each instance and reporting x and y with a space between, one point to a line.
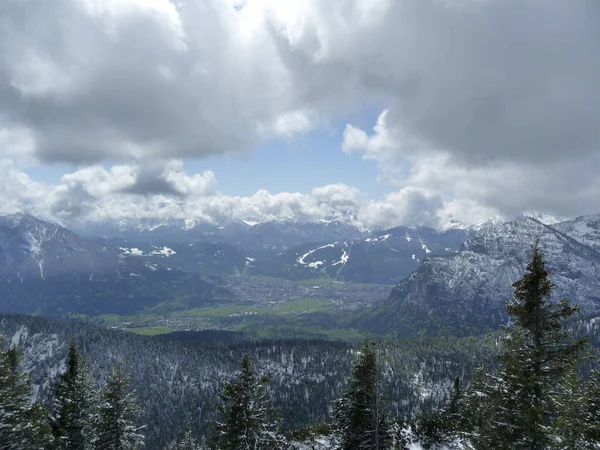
301 259
131 251
165 251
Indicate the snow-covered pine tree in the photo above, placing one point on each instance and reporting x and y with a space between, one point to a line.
117 415
571 400
75 404
22 424
521 400
592 408
246 424
187 441
361 412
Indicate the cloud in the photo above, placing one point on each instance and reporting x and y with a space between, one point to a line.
490 80
490 106
19 192
98 194
131 79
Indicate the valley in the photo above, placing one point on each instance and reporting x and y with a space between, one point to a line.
263 280
179 315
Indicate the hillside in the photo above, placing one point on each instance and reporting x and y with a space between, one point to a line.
465 293
181 380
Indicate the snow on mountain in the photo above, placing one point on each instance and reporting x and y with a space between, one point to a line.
30 247
468 290
546 219
384 257
585 229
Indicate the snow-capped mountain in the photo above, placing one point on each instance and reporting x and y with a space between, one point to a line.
272 235
48 269
585 229
468 290
32 248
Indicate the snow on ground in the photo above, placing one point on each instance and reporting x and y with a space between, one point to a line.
315 264
165 251
301 258
424 247
131 251
344 259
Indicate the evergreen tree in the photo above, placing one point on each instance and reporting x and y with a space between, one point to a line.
538 355
117 416
444 426
245 412
187 441
74 410
22 424
592 408
361 412
571 424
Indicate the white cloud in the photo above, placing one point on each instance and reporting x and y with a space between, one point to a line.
491 106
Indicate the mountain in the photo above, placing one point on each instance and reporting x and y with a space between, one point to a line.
207 258
252 236
383 257
585 229
31 248
466 292
47 269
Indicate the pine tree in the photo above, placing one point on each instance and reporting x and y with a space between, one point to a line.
571 402
117 416
245 412
361 412
538 355
592 409
74 410
442 427
22 424
187 442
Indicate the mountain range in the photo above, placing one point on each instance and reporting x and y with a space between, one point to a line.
444 281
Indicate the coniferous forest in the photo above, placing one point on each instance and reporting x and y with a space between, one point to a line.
534 385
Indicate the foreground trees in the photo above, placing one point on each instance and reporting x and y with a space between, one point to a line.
523 404
246 422
75 408
361 413
22 424
117 415
81 417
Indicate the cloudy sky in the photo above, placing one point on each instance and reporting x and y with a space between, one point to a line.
393 111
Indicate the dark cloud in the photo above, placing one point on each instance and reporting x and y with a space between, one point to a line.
150 180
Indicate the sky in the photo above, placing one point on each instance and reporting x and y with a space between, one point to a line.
386 112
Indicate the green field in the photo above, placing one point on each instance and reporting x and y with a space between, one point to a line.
149 331
299 306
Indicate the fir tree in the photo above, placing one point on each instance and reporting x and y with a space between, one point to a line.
361 412
75 404
117 416
521 399
245 412
592 408
22 424
571 424
187 441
